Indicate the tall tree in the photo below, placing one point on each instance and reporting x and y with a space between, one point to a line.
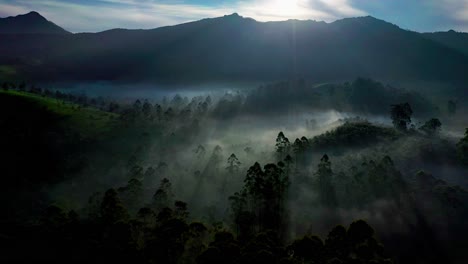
282 145
147 109
163 196
233 164
112 209
324 176
266 191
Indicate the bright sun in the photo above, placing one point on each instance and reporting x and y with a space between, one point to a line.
286 7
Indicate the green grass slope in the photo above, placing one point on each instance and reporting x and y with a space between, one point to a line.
88 122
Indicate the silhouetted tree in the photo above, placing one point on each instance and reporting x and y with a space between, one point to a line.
267 190
112 209
163 196
147 109
137 106
401 115
308 249
324 176
431 126
233 164
181 210
132 194
282 145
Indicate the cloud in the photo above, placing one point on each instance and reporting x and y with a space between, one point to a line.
458 8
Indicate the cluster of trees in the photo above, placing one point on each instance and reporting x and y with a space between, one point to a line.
353 134
401 119
164 232
359 96
356 244
260 205
142 111
356 133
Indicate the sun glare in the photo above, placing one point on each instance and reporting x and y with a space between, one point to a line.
286 7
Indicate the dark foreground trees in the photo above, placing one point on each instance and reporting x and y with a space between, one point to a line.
353 245
167 236
260 205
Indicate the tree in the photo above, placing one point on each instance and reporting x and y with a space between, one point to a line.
132 194
147 109
282 145
137 105
267 189
337 243
359 231
159 112
216 158
233 164
94 206
431 126
163 196
324 176
297 147
307 249
401 116
112 209
181 211
200 151
243 218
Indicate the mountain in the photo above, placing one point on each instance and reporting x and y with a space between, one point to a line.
236 48
452 39
31 23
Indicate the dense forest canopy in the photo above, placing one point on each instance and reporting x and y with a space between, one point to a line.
177 179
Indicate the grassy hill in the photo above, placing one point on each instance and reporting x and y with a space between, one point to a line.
88 122
43 141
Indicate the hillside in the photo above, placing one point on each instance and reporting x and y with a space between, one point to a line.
237 48
31 23
86 122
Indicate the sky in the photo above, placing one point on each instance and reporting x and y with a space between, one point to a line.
99 15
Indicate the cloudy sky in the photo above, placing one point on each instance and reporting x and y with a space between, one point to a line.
98 15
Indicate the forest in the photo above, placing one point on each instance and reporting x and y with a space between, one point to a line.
288 172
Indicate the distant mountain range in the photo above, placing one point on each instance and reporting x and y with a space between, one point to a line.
232 48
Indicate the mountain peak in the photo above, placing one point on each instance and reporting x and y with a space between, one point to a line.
233 16
30 23
33 13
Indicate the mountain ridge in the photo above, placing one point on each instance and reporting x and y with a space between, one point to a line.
233 47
